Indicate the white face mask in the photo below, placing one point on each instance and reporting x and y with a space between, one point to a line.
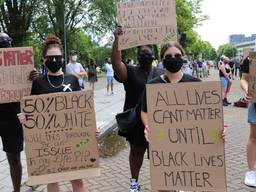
74 58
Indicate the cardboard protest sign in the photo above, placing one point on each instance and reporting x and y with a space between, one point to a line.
252 76
186 149
15 67
59 135
146 22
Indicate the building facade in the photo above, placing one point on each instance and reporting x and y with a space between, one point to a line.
245 45
240 38
242 42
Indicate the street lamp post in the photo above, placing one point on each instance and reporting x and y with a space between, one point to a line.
65 37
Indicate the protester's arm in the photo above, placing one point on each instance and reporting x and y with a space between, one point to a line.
144 118
82 72
244 85
118 66
144 114
224 132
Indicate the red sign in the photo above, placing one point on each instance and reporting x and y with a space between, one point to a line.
15 67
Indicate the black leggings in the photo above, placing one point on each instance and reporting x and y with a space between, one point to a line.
136 159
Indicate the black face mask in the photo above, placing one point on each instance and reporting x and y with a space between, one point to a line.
173 65
145 59
54 63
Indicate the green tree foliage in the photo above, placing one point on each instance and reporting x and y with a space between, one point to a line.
209 52
228 50
16 17
189 16
87 22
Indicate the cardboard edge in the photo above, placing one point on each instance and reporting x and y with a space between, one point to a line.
66 176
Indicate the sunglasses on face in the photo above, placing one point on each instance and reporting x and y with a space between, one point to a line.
54 57
176 56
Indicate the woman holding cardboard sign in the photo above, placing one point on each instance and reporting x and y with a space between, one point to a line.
250 176
172 58
55 81
11 130
134 79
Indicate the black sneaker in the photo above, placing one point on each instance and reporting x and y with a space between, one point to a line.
225 99
224 102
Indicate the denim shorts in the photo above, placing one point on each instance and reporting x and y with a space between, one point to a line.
251 113
110 80
224 82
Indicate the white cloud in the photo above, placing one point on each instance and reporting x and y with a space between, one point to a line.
227 17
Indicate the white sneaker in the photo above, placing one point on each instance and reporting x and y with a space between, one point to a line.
135 186
250 178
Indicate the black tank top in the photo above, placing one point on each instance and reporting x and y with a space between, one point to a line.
221 73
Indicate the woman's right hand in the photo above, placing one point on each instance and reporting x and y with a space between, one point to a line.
247 97
146 133
22 118
118 31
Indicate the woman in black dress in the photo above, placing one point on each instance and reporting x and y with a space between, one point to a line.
92 73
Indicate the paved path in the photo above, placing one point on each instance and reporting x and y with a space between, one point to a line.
115 170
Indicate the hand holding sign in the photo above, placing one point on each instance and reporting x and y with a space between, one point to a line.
118 32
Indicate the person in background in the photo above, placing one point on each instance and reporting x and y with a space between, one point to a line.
10 128
250 176
44 69
110 76
200 68
237 68
221 61
225 78
92 74
194 69
232 66
186 69
205 69
76 69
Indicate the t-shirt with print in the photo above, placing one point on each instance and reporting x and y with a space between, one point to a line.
42 85
73 68
161 79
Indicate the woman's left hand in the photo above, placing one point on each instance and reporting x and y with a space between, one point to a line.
223 132
21 117
97 133
146 132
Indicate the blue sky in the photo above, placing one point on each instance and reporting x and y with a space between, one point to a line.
227 17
